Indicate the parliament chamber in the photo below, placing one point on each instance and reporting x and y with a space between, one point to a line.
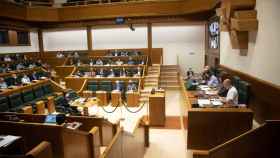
139 79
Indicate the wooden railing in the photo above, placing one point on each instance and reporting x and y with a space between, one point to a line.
261 142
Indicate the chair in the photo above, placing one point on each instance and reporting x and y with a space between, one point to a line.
16 103
10 80
27 96
47 89
244 92
235 81
106 86
92 86
38 92
4 105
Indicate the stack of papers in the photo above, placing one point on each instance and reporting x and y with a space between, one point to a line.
216 102
203 102
7 140
204 87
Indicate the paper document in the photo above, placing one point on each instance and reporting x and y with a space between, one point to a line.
7 140
202 102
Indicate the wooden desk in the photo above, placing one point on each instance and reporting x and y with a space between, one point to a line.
157 109
18 89
116 98
132 98
102 98
209 127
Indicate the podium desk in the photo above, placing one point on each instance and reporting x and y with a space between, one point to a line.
51 104
157 109
132 98
102 98
115 98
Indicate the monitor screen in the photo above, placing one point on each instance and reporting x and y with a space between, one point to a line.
51 119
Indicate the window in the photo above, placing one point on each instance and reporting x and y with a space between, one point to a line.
14 37
23 38
4 37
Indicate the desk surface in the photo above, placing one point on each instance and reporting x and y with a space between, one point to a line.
192 98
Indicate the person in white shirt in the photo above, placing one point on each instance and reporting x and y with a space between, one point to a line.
99 62
213 81
25 79
232 94
119 62
7 58
3 84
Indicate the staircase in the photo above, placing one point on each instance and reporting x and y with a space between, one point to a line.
151 81
169 77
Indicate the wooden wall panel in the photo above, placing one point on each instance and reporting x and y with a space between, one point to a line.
103 11
264 98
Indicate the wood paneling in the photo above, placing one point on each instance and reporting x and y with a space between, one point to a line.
264 96
89 38
103 11
257 143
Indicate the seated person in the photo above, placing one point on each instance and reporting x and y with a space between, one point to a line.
142 62
139 71
111 73
76 55
131 86
39 63
25 79
91 63
33 76
3 84
79 73
20 66
119 62
115 53
79 63
118 86
59 55
7 58
205 75
123 73
109 62
232 94
124 53
190 73
99 62
222 91
15 80
100 73
213 81
130 61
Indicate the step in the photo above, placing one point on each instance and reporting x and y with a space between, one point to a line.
169 82
164 77
169 66
151 84
170 87
152 76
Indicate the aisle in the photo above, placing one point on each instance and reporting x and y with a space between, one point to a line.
169 143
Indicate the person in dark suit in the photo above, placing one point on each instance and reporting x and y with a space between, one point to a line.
131 86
